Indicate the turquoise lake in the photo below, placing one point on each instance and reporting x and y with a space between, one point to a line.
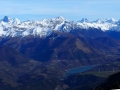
79 70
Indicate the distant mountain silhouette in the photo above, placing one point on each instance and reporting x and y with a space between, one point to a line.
5 19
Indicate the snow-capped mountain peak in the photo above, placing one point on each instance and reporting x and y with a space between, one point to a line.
60 17
14 27
16 21
112 20
84 20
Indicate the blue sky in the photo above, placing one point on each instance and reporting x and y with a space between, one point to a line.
70 9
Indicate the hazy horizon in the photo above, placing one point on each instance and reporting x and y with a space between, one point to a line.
72 10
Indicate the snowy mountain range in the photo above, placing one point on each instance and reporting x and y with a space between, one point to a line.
14 27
